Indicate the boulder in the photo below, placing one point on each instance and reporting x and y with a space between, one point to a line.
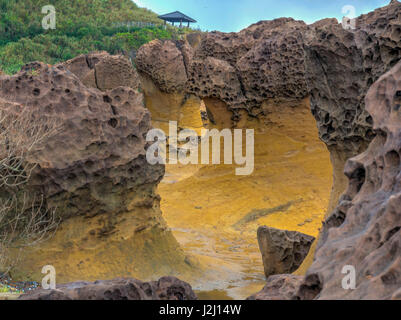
164 62
104 71
278 287
166 288
282 251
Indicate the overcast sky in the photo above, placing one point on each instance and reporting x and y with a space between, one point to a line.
234 15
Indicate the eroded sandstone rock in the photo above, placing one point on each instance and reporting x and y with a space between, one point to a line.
166 288
341 65
282 251
163 69
238 70
278 287
94 172
364 231
164 63
103 71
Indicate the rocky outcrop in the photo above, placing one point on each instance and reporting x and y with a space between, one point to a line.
282 251
166 288
164 63
94 172
237 74
163 69
103 71
239 71
364 231
279 287
341 65
98 157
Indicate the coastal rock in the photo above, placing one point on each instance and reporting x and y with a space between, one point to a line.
85 168
364 231
238 71
278 287
214 78
341 65
166 288
104 71
282 251
94 172
164 62
163 69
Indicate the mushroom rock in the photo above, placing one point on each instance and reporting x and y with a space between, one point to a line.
166 288
94 172
364 231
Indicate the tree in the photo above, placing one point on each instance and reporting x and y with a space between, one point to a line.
25 219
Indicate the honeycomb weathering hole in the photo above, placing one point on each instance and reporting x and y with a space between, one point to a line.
214 214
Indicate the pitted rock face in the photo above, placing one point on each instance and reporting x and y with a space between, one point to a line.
165 63
166 288
239 69
103 71
365 229
232 46
282 251
274 67
96 162
214 78
278 287
341 65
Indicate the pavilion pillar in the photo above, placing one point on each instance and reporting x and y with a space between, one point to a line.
180 23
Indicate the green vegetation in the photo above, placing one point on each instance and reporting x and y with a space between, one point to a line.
82 26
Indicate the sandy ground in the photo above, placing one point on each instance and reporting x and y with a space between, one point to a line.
214 214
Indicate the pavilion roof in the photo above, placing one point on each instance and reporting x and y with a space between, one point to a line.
176 16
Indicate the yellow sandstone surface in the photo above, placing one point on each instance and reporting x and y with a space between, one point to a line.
131 244
214 214
165 107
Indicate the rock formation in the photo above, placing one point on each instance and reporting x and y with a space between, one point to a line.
162 66
282 251
341 65
236 74
103 71
364 231
166 288
231 72
278 287
94 172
